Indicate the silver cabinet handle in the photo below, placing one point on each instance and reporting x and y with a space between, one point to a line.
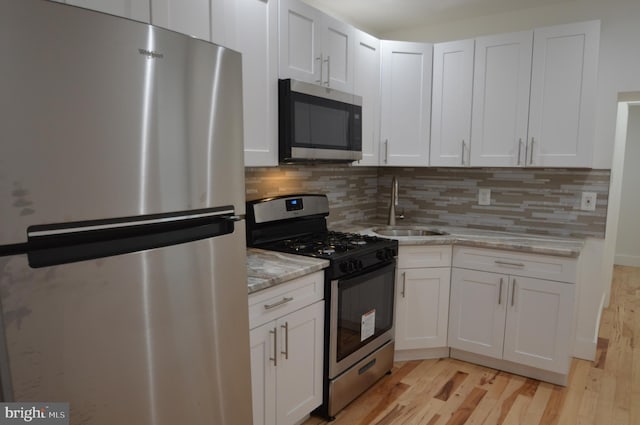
507 263
462 157
386 151
404 284
519 149
278 303
533 140
513 292
286 340
328 61
275 347
319 58
500 291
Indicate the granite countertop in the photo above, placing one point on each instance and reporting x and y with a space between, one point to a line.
269 268
535 244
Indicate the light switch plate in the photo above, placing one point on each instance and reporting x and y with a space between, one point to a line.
484 197
588 202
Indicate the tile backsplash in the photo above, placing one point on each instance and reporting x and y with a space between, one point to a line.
352 191
535 201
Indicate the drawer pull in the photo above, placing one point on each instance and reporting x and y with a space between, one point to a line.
404 283
500 291
507 263
278 303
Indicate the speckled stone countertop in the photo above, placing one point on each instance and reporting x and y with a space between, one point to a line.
269 268
562 247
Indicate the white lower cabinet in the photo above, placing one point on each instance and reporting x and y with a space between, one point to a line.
422 301
287 350
501 313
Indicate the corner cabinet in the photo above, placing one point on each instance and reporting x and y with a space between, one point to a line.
451 106
422 301
405 103
315 47
513 311
287 350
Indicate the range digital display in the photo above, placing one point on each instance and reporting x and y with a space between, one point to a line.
293 204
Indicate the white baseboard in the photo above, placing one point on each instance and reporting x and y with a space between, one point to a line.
421 354
627 260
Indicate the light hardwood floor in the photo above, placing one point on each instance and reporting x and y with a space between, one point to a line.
451 392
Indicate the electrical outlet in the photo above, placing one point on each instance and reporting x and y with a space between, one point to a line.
588 202
484 197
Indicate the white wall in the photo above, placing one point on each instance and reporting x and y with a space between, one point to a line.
628 241
619 69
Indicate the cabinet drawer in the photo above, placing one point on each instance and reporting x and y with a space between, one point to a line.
548 267
421 256
282 299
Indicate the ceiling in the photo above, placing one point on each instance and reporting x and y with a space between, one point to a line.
383 16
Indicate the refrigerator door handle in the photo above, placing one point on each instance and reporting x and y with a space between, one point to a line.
54 244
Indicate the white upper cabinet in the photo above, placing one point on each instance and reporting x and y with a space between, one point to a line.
255 35
138 10
314 47
451 106
191 17
501 80
406 103
367 85
563 92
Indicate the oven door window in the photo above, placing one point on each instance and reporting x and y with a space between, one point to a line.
365 309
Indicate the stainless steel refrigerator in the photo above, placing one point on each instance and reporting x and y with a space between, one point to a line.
122 246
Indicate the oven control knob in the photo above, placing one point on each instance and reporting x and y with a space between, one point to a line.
344 267
388 253
359 265
380 255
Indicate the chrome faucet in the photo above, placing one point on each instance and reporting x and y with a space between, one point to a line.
394 203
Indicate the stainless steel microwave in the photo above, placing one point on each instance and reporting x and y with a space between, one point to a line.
318 124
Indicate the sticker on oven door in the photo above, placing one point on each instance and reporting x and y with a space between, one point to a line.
368 326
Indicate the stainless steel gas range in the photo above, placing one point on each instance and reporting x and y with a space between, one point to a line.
359 289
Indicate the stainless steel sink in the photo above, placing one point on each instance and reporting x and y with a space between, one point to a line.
385 231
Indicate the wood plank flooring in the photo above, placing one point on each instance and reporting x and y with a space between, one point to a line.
450 392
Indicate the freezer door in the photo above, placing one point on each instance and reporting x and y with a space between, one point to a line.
154 337
105 117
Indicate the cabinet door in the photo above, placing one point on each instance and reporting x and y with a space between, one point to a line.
366 83
132 9
501 80
338 44
300 363
477 312
538 326
406 102
256 37
563 89
422 308
451 106
299 46
263 378
189 17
